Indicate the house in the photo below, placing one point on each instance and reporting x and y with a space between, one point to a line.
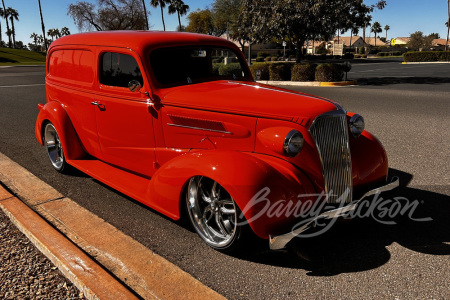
372 42
350 41
402 40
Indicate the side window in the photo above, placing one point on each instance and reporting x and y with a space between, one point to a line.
119 69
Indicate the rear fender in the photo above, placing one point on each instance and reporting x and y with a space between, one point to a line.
55 113
245 176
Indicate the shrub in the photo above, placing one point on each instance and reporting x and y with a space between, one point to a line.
268 58
361 50
426 56
230 70
329 72
260 59
216 68
280 72
263 54
303 72
264 68
217 60
348 56
273 58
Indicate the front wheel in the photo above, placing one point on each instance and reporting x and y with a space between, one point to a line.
215 215
54 148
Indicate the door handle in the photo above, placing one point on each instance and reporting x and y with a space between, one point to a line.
95 103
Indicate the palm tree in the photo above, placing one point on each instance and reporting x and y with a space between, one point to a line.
448 24
376 28
13 15
145 14
35 38
179 7
161 4
7 24
1 16
65 31
386 28
43 27
51 32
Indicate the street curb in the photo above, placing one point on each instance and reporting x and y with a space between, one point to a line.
425 62
144 272
74 264
308 83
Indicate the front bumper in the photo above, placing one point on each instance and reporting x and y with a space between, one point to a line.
280 241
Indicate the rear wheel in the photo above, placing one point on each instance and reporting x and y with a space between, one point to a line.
215 215
54 148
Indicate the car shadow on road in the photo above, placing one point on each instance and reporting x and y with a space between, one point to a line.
361 244
379 81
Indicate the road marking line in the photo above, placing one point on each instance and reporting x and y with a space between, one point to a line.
21 85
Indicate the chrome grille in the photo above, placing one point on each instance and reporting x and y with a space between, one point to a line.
330 133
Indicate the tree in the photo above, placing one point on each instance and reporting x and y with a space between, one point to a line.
13 15
161 4
200 21
65 31
297 21
108 15
1 16
386 28
42 25
178 6
145 14
7 23
419 41
448 24
435 35
376 28
35 37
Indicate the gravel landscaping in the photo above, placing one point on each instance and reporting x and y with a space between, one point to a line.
25 273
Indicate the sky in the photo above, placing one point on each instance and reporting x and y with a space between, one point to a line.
403 17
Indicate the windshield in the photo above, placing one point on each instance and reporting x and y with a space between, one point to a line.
187 65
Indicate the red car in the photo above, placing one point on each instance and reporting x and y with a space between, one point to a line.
176 121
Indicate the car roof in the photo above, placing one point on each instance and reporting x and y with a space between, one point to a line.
140 40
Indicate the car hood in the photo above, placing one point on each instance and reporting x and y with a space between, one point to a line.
248 98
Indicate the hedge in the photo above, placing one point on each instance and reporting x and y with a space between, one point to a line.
424 56
264 68
329 73
394 53
230 69
280 72
303 72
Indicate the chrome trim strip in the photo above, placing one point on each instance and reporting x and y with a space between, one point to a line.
199 128
279 242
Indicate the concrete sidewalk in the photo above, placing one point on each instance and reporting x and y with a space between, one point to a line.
99 259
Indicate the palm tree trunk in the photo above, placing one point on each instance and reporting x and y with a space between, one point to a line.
7 24
179 20
448 24
1 40
145 13
43 27
13 32
162 17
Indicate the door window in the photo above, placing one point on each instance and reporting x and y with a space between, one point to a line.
119 69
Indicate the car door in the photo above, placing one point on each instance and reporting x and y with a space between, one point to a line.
124 122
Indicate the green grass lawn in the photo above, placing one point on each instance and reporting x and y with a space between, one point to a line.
13 57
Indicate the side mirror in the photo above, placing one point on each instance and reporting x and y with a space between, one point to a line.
134 85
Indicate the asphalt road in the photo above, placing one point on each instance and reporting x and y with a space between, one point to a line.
358 259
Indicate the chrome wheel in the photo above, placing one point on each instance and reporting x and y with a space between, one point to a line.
54 147
212 211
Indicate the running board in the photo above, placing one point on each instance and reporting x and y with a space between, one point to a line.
132 185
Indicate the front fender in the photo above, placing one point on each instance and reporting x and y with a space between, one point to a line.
54 112
243 175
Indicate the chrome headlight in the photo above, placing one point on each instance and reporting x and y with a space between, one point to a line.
293 143
356 125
